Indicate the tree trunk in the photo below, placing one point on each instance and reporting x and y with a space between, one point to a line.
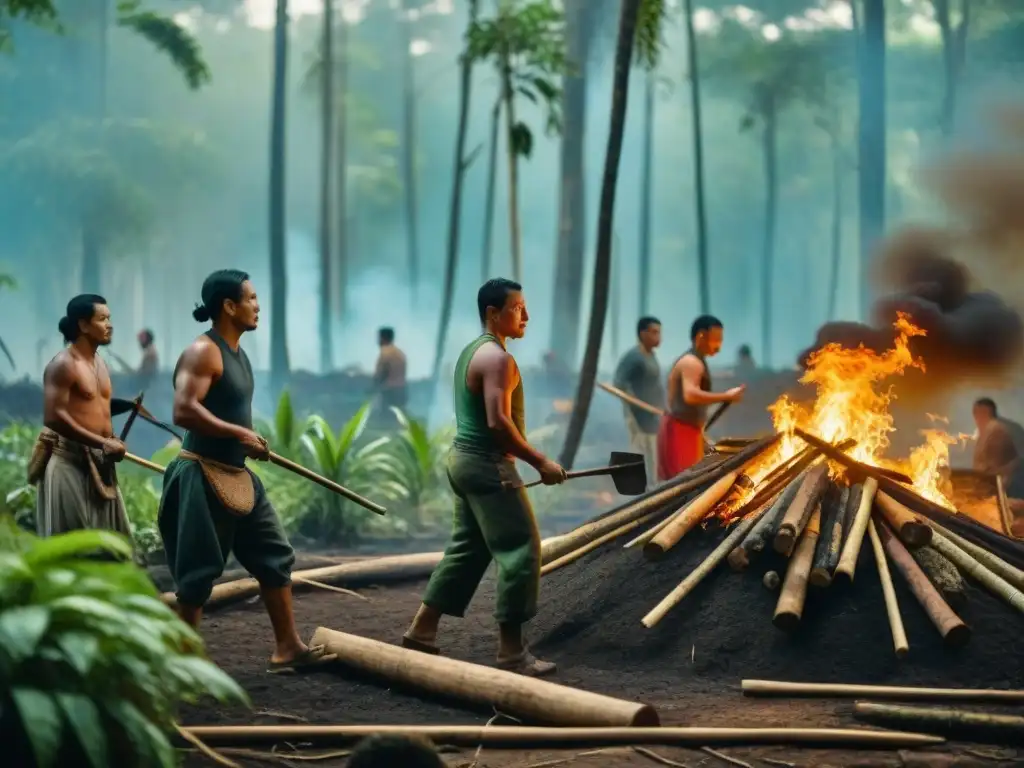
278 266
342 218
515 237
954 51
837 225
455 206
412 242
570 260
703 274
646 181
616 297
326 319
487 257
872 141
771 187
606 221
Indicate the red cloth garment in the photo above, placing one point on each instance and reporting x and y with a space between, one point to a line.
680 446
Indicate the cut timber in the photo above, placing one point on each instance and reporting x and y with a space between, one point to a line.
847 691
700 572
689 517
516 695
654 530
995 564
943 574
892 607
804 504
989 580
913 532
979 727
576 554
518 737
1005 515
858 527
790 607
764 530
830 540
954 632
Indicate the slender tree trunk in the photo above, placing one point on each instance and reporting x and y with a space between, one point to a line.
628 13
327 139
409 157
954 50
616 296
703 273
570 258
837 225
771 187
279 367
513 173
455 206
487 257
872 141
92 256
646 182
342 218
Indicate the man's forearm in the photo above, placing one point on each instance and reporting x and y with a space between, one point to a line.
516 443
702 397
196 418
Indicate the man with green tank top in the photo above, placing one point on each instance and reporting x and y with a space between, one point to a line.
212 504
493 518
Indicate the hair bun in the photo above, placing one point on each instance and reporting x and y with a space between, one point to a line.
201 313
66 327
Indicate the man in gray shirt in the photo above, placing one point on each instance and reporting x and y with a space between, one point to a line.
639 374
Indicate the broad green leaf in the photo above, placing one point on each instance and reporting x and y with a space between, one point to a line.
21 629
353 429
202 675
284 421
82 714
76 544
100 615
135 726
80 650
149 605
40 717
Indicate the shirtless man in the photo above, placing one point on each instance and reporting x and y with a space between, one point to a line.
389 376
73 462
493 516
681 433
212 504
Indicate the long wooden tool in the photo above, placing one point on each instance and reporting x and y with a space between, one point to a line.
850 691
627 470
152 465
636 402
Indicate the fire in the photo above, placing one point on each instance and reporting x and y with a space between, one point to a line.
852 402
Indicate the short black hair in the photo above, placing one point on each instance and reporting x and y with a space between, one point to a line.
148 335
81 307
386 334
987 402
646 322
704 323
744 350
222 285
387 751
494 293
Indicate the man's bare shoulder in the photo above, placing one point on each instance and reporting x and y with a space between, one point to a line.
201 356
61 369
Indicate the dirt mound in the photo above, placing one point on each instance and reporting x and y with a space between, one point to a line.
723 630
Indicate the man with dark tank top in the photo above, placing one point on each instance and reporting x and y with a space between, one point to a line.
212 504
493 518
681 433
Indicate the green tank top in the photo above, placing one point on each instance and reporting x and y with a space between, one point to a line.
230 400
472 432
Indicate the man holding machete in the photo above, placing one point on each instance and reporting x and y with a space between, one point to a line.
493 516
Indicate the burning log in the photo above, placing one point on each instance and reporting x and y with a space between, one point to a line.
954 632
993 583
688 517
892 606
763 530
790 608
944 575
805 502
995 564
980 727
912 532
846 690
830 540
858 526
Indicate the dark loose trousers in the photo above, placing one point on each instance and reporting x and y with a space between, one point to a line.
493 520
199 534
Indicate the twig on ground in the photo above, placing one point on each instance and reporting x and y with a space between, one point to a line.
207 751
480 747
726 758
650 754
281 715
783 763
329 588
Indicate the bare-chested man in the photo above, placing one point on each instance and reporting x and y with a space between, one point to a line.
681 434
493 516
73 462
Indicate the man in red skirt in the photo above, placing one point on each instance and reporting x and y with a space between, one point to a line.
681 432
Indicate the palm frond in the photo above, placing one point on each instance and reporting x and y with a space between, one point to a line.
650 24
168 36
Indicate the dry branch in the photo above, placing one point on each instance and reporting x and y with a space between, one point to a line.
913 532
892 606
858 527
902 693
689 517
981 727
830 540
1005 515
790 606
943 574
805 502
993 583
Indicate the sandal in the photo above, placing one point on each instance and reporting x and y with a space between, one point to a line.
420 645
315 656
529 665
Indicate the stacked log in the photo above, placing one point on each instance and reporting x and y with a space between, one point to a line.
830 540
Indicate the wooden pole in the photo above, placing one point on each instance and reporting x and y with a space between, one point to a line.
763 530
518 737
790 607
848 691
151 465
517 695
978 727
830 540
576 554
913 532
858 526
1005 515
993 583
892 606
806 501
995 564
944 575
698 574
689 517
954 632
654 530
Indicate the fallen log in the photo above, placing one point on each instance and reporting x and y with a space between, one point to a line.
858 527
954 632
806 501
943 574
978 727
518 737
849 691
790 607
993 583
689 517
892 607
995 564
913 532
517 695
830 540
763 530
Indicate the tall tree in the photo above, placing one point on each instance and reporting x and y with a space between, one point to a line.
954 29
327 139
279 366
646 183
487 256
696 132
412 238
871 161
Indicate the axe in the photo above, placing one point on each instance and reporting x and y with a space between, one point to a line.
136 406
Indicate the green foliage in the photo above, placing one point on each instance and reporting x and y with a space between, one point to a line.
92 664
39 12
17 498
168 36
650 23
422 458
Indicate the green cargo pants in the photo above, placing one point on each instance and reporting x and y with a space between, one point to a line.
493 520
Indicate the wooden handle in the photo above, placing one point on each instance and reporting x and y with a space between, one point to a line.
330 485
144 462
594 472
